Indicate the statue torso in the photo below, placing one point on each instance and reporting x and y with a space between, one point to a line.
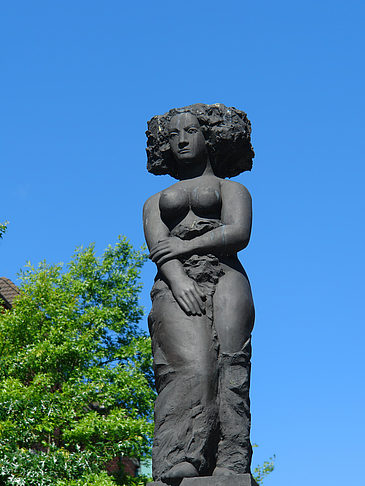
191 200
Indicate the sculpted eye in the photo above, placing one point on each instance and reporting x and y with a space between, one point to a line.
172 134
192 130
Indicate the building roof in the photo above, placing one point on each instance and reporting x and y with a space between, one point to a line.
8 292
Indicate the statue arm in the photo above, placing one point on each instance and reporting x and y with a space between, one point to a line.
155 231
187 293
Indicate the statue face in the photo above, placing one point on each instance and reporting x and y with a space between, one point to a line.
186 138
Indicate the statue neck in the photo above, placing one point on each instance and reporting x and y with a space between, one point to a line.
194 169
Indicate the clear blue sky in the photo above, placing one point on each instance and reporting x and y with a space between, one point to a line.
79 79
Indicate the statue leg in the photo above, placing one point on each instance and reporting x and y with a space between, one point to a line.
234 318
185 365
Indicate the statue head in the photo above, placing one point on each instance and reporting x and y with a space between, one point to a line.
226 132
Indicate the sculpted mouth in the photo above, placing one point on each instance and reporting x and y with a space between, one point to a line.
184 151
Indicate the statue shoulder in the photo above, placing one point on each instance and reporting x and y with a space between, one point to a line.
151 202
233 186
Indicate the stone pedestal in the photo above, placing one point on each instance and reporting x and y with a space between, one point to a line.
234 480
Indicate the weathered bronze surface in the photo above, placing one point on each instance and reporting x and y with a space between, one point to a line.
202 309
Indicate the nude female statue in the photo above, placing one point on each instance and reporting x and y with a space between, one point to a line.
202 314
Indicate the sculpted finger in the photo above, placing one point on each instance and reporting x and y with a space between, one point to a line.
163 259
159 245
156 250
201 304
199 301
184 305
200 292
194 305
159 254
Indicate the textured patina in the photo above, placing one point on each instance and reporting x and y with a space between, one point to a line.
202 309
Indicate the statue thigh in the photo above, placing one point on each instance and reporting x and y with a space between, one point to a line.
234 312
186 343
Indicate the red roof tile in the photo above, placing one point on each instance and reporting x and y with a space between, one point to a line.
8 292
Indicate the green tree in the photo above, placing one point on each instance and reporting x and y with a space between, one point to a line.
75 372
3 228
261 471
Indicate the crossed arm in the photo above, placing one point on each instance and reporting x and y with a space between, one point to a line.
228 239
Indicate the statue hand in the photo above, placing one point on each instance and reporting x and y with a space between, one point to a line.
168 249
189 296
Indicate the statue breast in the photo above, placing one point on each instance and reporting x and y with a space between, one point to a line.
176 202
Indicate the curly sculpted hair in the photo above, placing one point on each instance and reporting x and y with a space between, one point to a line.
227 132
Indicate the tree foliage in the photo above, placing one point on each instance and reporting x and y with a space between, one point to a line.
75 371
3 228
261 471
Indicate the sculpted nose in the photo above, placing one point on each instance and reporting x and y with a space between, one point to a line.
183 141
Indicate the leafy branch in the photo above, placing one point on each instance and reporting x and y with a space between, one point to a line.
261 471
3 228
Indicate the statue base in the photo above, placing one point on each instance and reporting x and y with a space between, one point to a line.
234 480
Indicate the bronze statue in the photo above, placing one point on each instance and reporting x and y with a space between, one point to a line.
203 313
